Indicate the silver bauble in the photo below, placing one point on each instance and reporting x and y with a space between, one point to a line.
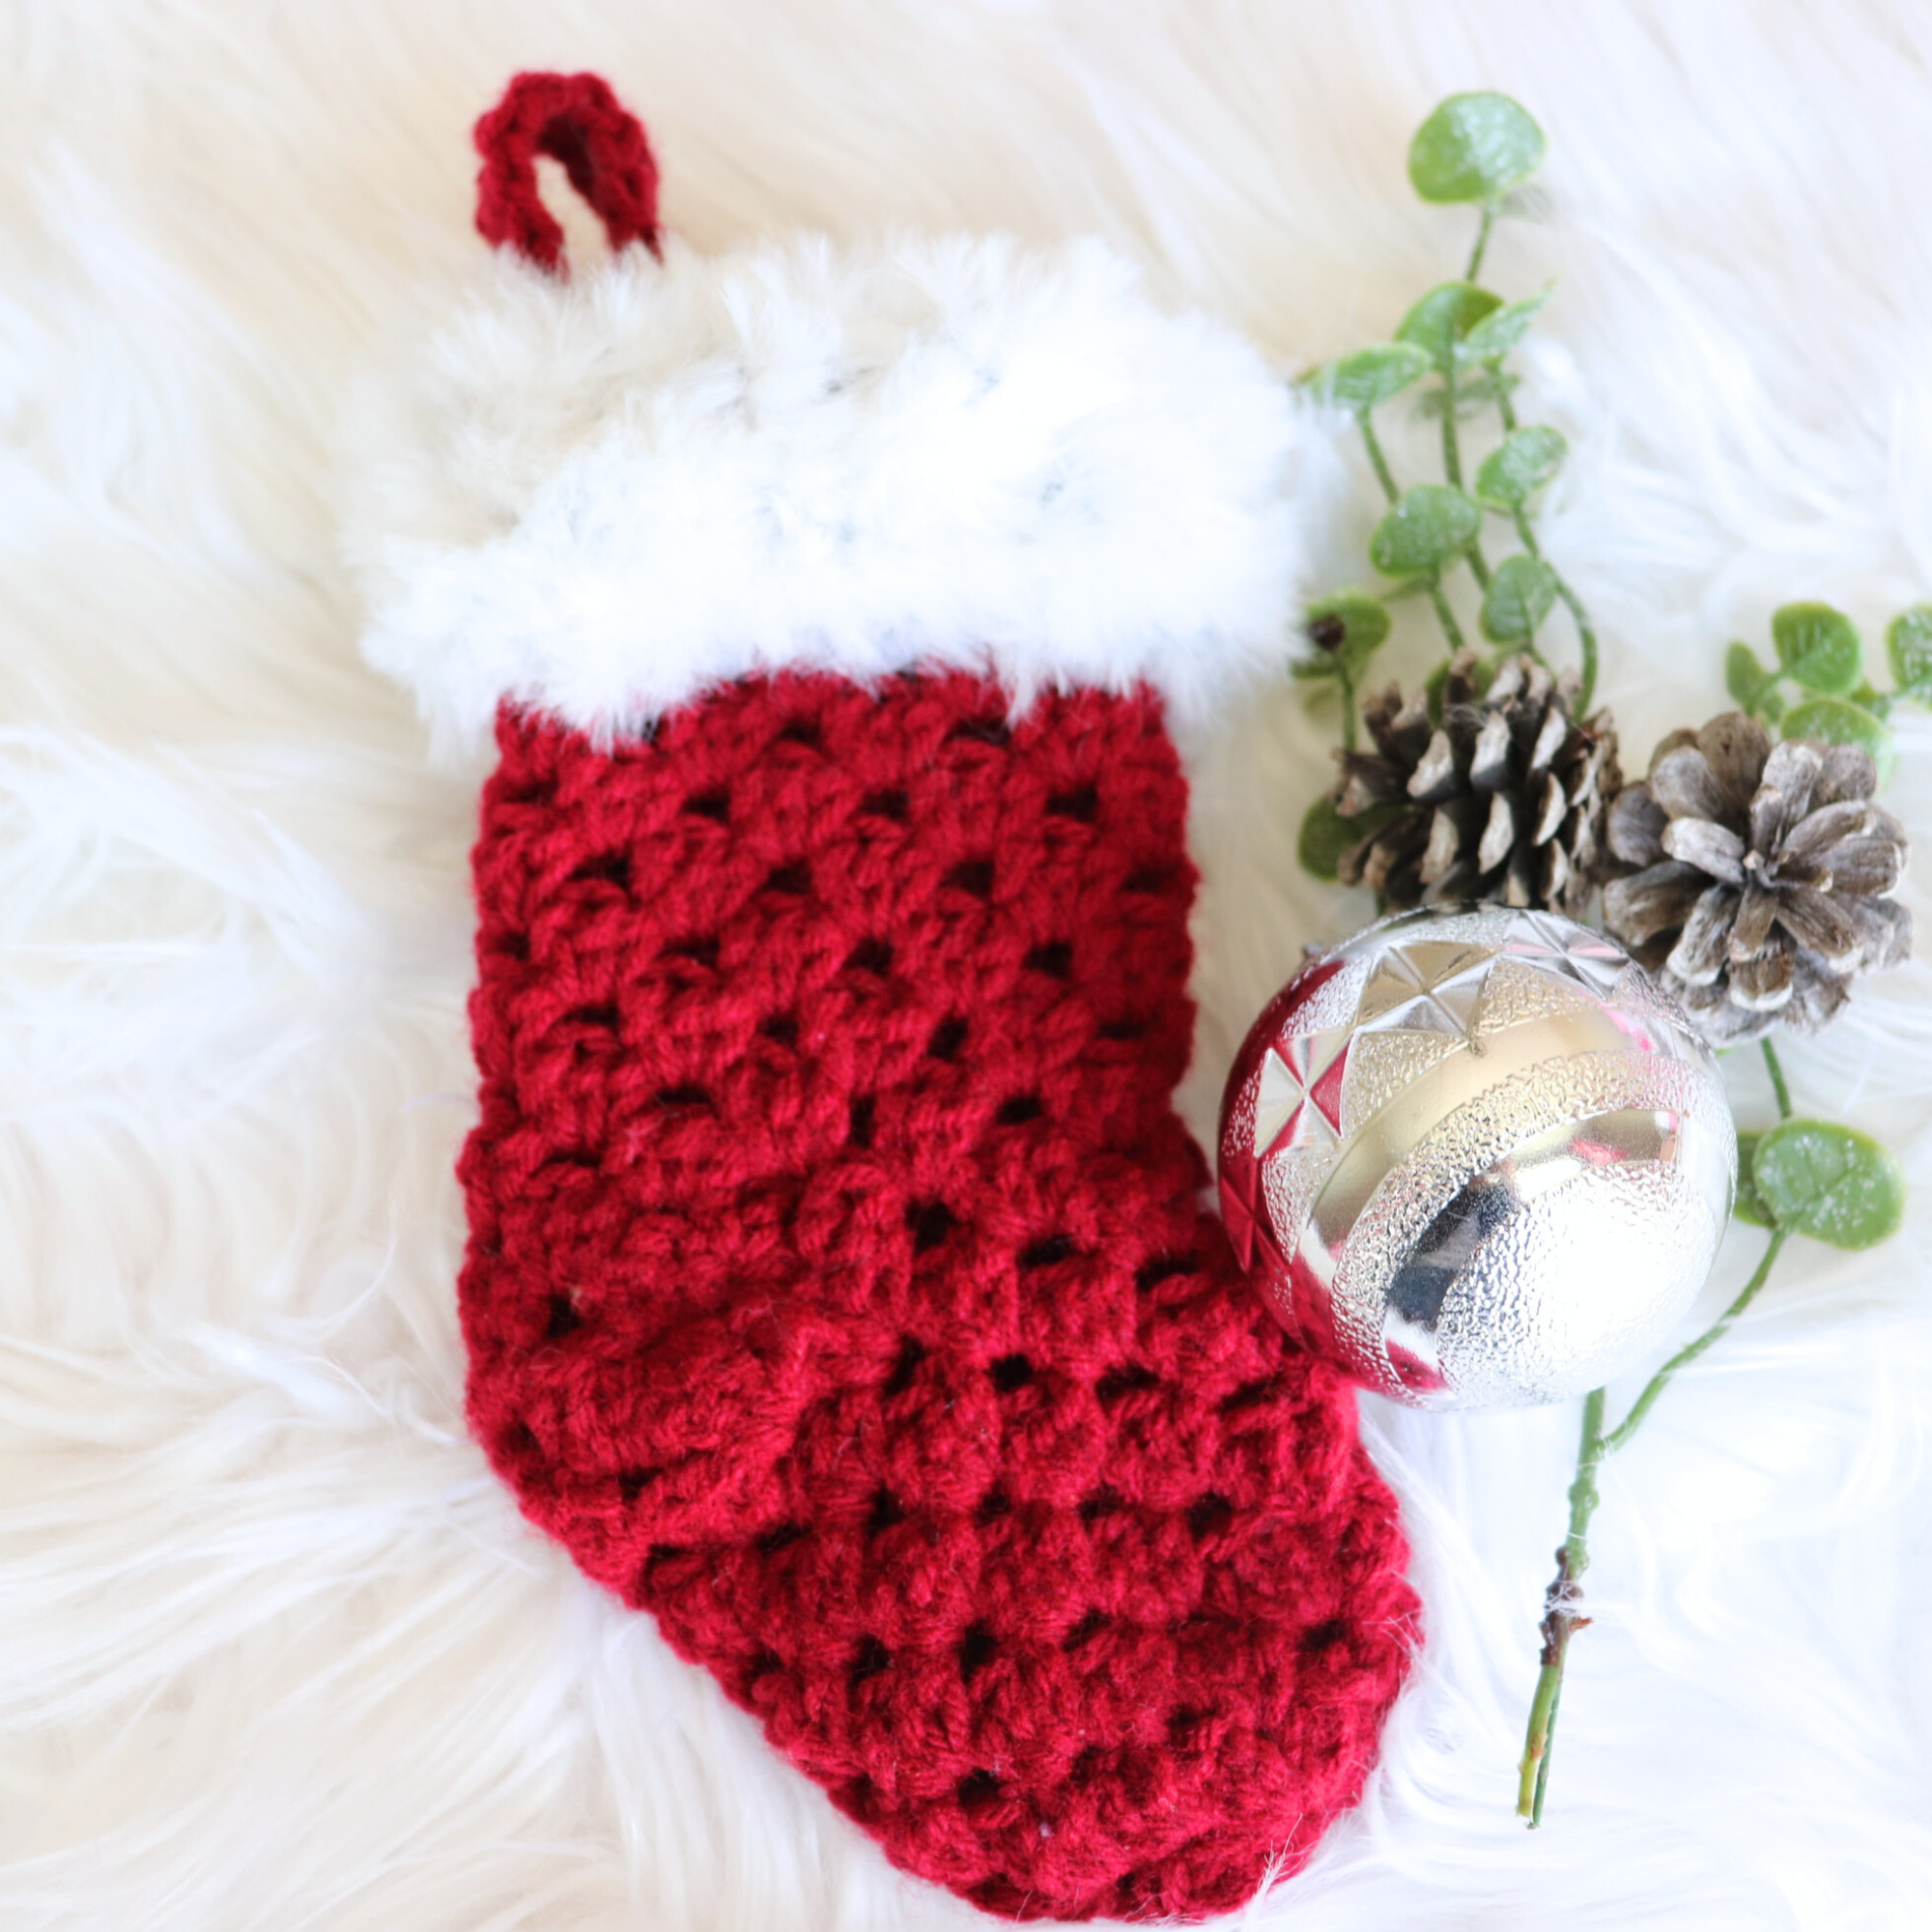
1476 1157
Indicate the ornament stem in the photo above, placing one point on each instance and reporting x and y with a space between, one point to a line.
1560 1620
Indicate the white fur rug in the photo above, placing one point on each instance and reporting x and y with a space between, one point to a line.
274 1648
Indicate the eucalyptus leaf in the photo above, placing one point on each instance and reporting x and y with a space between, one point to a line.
1346 630
1519 466
1744 675
1475 147
1833 721
1749 1206
1520 594
1502 328
1440 322
1326 836
1908 643
1433 524
1369 377
1818 647
1831 1182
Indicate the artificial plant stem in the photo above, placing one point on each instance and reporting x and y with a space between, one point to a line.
1559 1615
1446 616
1776 1072
1452 462
1505 408
1348 684
1586 638
1378 462
1689 1352
1475 267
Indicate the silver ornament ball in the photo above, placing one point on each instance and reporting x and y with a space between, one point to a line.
1476 1157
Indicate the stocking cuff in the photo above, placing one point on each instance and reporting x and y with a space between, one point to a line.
600 496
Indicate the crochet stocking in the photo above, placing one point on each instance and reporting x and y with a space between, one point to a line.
838 1288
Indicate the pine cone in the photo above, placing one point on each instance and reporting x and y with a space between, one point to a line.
1504 800
1766 870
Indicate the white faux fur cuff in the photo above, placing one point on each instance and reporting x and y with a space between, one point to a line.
602 496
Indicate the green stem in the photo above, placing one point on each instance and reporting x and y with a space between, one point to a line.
1560 1620
1475 267
1446 617
1452 465
1505 408
1776 1072
1586 638
1689 1352
1378 462
1348 684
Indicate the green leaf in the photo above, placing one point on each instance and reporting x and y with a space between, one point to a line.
1831 1182
1818 647
1770 706
1432 524
1908 643
1502 328
1749 1207
1877 702
1438 323
1519 466
1369 377
1474 393
1744 675
1346 630
1832 721
1325 836
1481 674
1475 147
1521 591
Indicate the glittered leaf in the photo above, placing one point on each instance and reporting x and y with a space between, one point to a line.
1502 328
1346 630
1832 721
1520 596
1831 1182
1433 524
1817 647
1749 1207
1438 324
1475 147
1908 643
1519 466
1368 379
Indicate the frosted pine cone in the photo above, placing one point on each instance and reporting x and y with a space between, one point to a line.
1765 881
1504 800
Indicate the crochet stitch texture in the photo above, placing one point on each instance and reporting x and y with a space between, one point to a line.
838 1288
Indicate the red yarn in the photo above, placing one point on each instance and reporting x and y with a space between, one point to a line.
575 119
838 1288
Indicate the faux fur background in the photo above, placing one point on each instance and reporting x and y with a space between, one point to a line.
274 1650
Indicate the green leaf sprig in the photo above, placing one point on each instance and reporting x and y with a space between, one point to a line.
1450 355
1818 687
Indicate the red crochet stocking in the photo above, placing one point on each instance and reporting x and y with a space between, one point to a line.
839 1289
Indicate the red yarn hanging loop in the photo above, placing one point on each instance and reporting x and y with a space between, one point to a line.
575 119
